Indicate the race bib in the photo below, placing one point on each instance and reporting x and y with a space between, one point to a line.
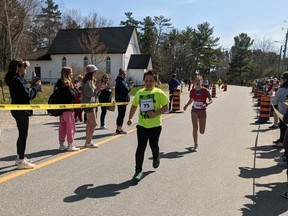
146 105
198 105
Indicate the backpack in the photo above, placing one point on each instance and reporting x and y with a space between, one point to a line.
55 99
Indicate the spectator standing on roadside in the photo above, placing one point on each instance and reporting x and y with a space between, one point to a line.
285 155
279 100
152 104
271 92
173 84
219 82
105 97
78 111
189 83
67 94
122 94
89 94
201 98
21 94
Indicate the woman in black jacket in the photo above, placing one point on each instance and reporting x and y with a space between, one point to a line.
104 97
21 94
122 94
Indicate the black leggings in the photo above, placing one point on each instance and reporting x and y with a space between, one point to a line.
143 135
102 116
121 114
22 121
282 127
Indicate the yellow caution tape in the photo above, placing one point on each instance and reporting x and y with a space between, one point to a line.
280 115
60 106
57 106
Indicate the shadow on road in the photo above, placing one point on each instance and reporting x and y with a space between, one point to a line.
176 154
96 136
246 172
268 201
267 152
35 157
102 191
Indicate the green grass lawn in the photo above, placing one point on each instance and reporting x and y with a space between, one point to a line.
42 97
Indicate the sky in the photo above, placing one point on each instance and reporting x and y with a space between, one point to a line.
262 20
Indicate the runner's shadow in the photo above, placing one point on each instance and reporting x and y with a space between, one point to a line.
175 154
102 191
267 202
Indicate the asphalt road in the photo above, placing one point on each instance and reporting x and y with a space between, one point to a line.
233 173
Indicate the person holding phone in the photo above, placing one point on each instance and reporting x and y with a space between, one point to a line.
279 100
21 94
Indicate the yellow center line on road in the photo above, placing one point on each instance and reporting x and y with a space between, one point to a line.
62 157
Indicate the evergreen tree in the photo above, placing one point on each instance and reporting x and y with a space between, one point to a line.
48 22
147 39
206 46
240 58
130 20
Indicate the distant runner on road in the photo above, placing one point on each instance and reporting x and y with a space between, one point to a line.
198 96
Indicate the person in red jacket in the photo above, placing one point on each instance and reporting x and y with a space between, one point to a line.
201 98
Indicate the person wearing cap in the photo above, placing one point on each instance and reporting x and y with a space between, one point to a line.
89 94
279 100
21 94
122 94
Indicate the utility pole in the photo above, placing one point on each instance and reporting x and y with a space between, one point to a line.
279 63
284 51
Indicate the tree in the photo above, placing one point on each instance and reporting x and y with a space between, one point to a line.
48 22
14 24
169 52
148 37
90 40
130 20
72 19
206 46
240 58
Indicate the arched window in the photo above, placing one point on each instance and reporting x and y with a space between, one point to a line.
108 65
85 61
64 62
